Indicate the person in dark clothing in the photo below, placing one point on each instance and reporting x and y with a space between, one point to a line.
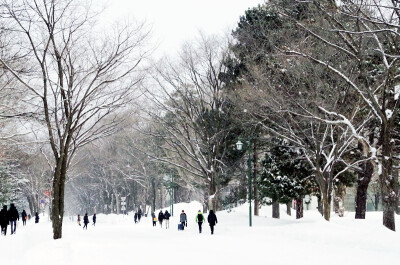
13 215
212 220
139 214
167 215
24 217
183 219
199 219
153 216
135 217
85 221
4 220
94 219
160 217
37 218
29 216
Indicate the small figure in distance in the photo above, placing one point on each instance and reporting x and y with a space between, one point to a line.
79 219
24 217
4 220
212 220
154 218
183 220
139 214
85 221
199 219
166 217
135 217
37 218
94 219
160 217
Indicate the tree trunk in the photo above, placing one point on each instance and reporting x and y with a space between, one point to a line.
57 211
338 201
212 199
364 178
299 208
320 206
275 210
387 183
255 189
376 200
326 201
288 209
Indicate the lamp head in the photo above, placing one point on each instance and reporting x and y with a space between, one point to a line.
239 145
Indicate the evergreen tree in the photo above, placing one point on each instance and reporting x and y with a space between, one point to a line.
285 176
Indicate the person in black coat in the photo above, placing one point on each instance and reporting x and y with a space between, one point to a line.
94 219
4 219
37 218
85 221
24 217
139 214
135 217
167 215
13 216
212 220
160 217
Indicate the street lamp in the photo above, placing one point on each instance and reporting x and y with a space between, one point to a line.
239 146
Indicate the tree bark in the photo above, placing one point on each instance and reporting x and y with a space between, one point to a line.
364 178
275 210
255 172
299 208
57 211
320 206
389 197
288 209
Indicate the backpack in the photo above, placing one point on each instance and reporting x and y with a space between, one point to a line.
199 217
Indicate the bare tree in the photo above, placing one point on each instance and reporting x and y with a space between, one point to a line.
367 33
77 77
193 112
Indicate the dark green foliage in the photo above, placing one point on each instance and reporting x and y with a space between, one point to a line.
285 175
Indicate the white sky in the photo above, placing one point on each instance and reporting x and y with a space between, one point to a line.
175 21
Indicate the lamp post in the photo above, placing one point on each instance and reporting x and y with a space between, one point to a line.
239 146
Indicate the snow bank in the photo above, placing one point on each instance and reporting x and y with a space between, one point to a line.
117 240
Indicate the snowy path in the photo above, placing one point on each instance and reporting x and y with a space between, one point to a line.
117 240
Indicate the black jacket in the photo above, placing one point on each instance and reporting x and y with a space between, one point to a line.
86 219
166 215
13 213
160 216
4 217
212 218
23 215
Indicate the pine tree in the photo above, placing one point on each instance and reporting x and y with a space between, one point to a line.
285 176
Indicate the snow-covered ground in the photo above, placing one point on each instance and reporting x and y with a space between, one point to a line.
117 240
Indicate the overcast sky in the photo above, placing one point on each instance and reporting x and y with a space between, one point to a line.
174 21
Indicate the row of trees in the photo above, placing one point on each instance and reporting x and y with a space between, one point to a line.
313 85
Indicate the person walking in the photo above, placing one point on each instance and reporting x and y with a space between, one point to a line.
24 217
160 217
37 218
85 221
199 219
13 215
139 214
94 219
4 220
135 217
79 219
166 217
183 219
212 220
154 218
